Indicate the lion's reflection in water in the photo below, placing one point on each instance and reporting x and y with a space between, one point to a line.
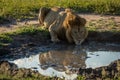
64 60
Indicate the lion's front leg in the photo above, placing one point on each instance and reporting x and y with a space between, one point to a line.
68 36
53 34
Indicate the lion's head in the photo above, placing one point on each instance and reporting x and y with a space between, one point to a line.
75 26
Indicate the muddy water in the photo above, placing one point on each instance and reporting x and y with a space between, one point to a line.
65 60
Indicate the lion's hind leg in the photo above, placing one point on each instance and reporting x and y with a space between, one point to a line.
42 14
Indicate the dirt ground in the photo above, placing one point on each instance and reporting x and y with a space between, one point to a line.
91 18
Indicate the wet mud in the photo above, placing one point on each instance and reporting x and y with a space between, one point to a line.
66 59
102 73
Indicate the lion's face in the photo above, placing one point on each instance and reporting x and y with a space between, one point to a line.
78 34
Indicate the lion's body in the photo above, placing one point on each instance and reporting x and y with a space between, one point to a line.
65 24
52 15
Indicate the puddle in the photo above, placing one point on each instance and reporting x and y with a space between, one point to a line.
101 58
34 63
64 61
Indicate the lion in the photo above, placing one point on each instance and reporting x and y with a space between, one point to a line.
63 24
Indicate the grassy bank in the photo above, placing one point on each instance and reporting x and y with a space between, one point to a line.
29 8
25 30
6 77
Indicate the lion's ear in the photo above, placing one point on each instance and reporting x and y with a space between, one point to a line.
42 14
73 19
83 21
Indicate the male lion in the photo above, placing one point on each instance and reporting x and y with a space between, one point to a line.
63 24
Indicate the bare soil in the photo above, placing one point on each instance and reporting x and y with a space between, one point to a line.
102 21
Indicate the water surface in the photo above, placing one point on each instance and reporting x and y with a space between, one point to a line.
65 61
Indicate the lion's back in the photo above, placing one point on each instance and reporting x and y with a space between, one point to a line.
52 16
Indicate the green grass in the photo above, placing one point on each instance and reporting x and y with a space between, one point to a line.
80 77
6 77
5 38
29 8
40 77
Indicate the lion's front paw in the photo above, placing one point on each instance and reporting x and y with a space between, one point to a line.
55 40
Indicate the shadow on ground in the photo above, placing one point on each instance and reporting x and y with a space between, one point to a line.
104 36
